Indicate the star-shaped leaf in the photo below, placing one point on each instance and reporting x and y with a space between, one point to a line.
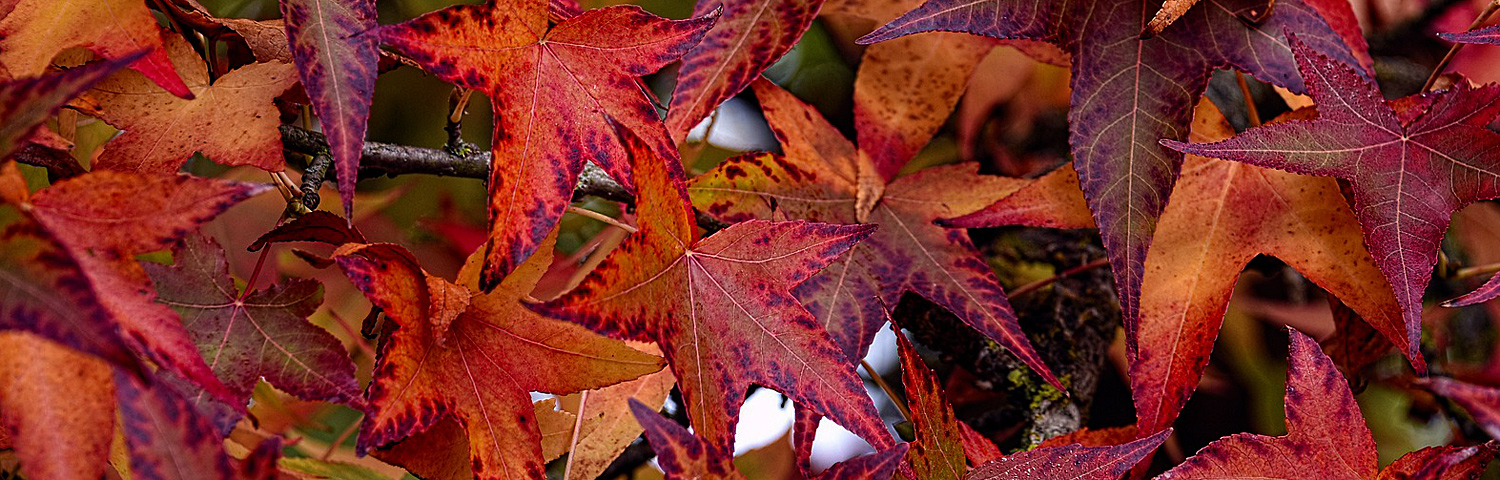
749 36
1222 215
458 353
1326 437
683 456
336 61
824 178
559 95
1128 91
232 120
1410 169
34 31
721 308
261 335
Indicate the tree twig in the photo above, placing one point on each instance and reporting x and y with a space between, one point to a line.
391 160
1453 51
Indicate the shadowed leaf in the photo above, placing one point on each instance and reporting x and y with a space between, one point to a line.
168 440
1482 403
25 103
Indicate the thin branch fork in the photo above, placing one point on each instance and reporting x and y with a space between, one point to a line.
391 160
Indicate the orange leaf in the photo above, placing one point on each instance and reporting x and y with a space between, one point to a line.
58 406
496 351
232 120
34 31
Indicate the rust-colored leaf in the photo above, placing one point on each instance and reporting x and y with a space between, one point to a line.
56 404
721 308
496 351
938 452
681 455
169 440
34 31
231 121
559 95
1482 403
261 335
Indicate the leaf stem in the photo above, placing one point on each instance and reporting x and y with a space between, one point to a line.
602 217
343 437
583 401
1250 109
1476 271
1028 288
1453 51
886 387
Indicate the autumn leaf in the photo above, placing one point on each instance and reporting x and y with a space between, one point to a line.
231 121
607 426
943 443
823 178
1488 35
1222 215
721 308
1410 170
1126 89
749 36
1482 402
938 451
492 353
1072 462
34 31
559 95
25 103
264 334
1486 292
680 454
168 440
104 218
336 61
55 439
1326 435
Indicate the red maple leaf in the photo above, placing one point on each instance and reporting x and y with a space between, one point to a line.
559 94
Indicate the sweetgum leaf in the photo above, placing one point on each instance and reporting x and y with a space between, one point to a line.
938 452
264 335
336 60
1489 35
1410 168
34 31
232 120
104 218
1072 462
1222 215
1326 437
680 454
55 402
1128 91
494 353
26 103
1482 403
169 440
559 95
749 36
721 308
819 179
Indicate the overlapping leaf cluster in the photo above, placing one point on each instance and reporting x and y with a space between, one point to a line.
129 348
